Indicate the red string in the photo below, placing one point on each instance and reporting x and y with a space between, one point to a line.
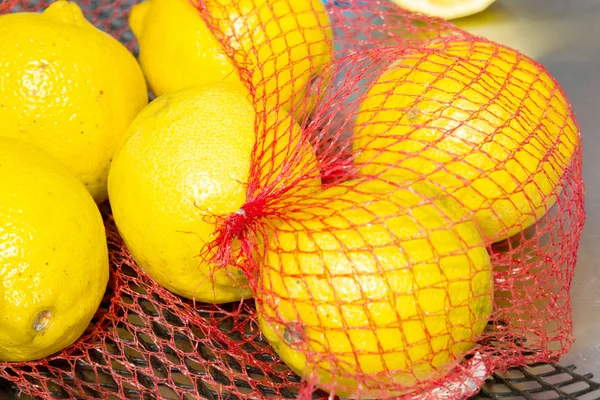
234 226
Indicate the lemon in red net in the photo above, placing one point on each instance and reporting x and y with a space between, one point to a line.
282 43
53 254
69 88
486 123
188 159
447 9
378 286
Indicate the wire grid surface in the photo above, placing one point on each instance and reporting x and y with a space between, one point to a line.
535 382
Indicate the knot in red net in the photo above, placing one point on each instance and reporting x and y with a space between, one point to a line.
235 226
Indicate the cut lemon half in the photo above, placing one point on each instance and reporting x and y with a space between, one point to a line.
447 9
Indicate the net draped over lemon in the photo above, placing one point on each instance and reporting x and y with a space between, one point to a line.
382 280
188 157
447 9
478 119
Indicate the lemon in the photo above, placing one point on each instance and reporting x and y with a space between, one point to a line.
177 49
68 88
282 44
53 254
480 120
188 158
447 9
386 280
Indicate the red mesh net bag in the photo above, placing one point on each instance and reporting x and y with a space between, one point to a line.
438 244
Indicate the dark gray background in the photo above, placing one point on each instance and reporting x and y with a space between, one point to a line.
565 37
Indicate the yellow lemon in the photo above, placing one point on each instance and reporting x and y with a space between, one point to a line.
188 158
177 49
447 9
53 254
374 287
282 43
482 121
69 88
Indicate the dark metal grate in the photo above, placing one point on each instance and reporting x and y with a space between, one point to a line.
541 382
535 382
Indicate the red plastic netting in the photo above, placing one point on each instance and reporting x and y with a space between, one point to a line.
440 245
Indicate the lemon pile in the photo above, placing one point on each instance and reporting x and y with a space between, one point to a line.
69 92
369 287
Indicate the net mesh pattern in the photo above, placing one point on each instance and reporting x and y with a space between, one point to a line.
450 168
